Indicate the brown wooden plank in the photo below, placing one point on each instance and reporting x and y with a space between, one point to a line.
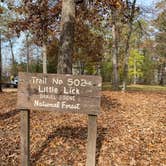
91 146
91 85
25 137
55 92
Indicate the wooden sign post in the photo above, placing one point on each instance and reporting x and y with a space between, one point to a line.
63 93
25 137
92 134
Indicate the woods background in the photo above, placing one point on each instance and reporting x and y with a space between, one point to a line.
119 39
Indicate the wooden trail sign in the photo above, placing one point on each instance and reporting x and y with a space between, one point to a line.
63 93
55 92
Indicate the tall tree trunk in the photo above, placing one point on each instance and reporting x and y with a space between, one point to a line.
135 71
163 74
13 57
38 64
44 48
27 48
45 34
127 47
115 80
67 37
11 49
0 63
126 59
81 67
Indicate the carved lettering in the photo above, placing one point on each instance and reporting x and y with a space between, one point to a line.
64 105
51 97
38 103
58 92
71 91
36 80
47 89
68 98
57 81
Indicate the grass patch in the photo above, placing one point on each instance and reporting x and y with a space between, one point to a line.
108 86
146 88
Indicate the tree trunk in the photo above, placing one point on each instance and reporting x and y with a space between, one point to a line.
12 53
127 47
163 74
67 37
0 64
45 20
13 57
44 58
135 71
126 59
115 80
27 47
81 67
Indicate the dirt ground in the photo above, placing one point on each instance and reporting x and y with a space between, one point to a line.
131 132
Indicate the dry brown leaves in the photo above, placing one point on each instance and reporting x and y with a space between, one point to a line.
131 131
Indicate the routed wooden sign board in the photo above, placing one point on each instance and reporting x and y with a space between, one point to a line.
62 93
79 94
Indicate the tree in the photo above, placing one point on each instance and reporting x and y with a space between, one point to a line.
52 54
40 18
0 63
160 24
130 13
135 65
9 38
7 34
1 30
67 37
88 47
115 51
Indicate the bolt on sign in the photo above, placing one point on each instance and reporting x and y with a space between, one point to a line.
57 92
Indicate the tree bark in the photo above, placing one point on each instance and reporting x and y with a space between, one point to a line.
0 63
135 71
115 79
81 67
12 53
27 48
45 24
44 48
126 59
67 37
13 57
127 47
163 74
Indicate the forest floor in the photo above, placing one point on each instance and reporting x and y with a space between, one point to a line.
131 132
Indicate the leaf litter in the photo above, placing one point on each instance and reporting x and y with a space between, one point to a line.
131 132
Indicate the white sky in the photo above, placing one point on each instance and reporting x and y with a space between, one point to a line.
147 2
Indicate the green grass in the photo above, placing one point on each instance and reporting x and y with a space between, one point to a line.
108 86
147 87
